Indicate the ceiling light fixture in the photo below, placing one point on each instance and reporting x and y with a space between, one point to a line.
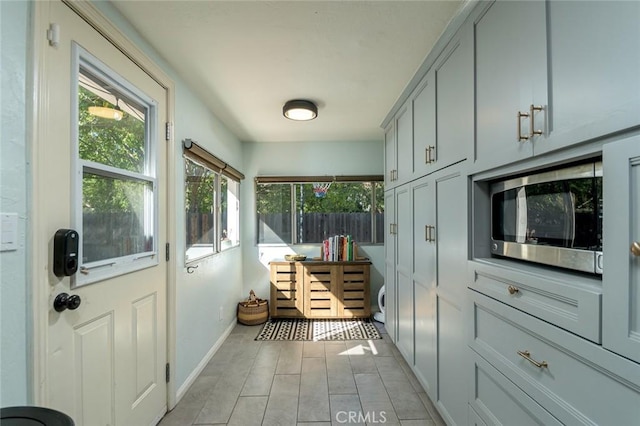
106 112
300 110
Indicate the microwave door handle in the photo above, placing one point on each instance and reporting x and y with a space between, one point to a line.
570 227
521 215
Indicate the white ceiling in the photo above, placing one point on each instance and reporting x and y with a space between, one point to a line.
247 58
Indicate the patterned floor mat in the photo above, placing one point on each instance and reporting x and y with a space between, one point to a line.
319 329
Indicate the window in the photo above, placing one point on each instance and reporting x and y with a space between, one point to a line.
290 211
116 175
212 203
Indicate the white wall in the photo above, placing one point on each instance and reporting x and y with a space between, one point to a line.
14 346
300 159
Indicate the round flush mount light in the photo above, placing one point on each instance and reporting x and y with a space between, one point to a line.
300 110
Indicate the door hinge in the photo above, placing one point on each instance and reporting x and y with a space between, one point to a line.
166 252
168 130
53 34
167 372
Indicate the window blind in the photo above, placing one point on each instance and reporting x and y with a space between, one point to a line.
195 152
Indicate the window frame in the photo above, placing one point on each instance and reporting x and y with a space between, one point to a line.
193 152
297 180
116 266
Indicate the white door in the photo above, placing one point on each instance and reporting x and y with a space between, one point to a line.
101 173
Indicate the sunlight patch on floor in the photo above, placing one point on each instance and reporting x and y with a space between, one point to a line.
362 349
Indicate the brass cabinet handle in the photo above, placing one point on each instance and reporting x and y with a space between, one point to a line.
532 109
430 158
527 355
521 115
428 229
513 289
426 154
635 248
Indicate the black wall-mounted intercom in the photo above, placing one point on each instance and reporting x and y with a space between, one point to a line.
65 252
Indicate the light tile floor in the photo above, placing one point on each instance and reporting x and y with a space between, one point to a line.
353 382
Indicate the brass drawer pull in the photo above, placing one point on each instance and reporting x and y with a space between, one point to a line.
527 355
513 289
635 248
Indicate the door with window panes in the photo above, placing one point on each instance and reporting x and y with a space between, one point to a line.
102 174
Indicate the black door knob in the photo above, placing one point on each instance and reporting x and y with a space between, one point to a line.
64 301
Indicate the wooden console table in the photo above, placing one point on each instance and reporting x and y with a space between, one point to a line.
315 289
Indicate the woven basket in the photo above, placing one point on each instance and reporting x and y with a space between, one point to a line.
253 313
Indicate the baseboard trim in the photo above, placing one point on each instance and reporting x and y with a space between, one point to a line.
182 390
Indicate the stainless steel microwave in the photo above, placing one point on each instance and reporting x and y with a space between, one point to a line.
553 217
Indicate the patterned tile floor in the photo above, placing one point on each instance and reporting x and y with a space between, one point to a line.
353 382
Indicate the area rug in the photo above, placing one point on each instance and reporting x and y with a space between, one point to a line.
319 329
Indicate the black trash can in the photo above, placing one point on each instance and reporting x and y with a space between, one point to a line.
33 416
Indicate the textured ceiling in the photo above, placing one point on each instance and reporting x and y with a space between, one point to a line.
247 58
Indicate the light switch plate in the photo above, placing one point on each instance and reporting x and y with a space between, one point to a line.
8 231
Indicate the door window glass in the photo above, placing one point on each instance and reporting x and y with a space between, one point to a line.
116 207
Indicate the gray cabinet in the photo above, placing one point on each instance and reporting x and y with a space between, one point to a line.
450 238
398 148
443 109
454 102
391 323
553 74
573 380
404 138
439 278
621 278
390 157
424 125
404 260
510 71
424 284
594 64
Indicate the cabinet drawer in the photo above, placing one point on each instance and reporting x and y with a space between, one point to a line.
576 381
497 401
565 303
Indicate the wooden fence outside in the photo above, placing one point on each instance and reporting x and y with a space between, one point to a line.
315 227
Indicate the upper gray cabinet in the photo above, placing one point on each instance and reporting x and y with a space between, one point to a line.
443 108
390 157
510 69
404 138
553 74
398 148
594 68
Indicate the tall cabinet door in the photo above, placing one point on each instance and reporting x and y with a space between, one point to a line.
452 255
510 39
391 313
403 273
621 248
424 283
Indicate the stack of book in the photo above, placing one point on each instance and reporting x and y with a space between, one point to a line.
339 248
